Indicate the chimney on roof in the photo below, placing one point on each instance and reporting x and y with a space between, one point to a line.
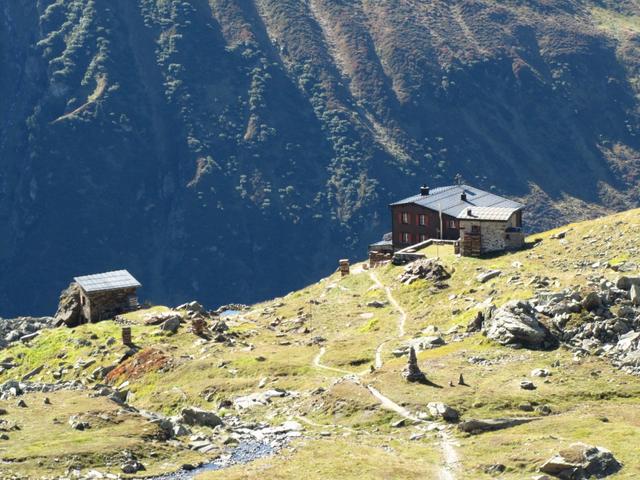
424 190
463 196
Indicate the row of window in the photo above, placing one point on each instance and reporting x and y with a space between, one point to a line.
422 220
408 238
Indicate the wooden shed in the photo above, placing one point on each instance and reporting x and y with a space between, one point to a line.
105 295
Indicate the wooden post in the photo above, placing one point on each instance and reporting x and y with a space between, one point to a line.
344 267
126 336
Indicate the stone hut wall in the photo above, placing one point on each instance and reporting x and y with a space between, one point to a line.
494 237
106 304
492 234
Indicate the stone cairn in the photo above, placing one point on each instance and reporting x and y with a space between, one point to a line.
412 372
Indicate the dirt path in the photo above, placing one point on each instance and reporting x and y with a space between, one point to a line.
450 454
447 470
401 320
317 363
403 314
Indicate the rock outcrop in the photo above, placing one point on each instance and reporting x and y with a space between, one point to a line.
69 311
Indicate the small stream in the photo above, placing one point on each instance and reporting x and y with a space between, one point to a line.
245 452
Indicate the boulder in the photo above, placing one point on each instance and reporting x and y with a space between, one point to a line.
198 417
527 385
491 424
486 276
516 324
581 461
592 302
376 304
171 324
625 283
444 411
540 372
69 311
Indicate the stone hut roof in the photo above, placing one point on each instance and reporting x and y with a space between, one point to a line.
102 282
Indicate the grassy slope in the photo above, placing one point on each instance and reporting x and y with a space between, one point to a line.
580 392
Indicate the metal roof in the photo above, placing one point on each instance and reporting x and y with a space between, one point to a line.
107 281
501 214
448 200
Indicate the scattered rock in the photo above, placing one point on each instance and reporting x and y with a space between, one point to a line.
192 306
540 372
581 461
527 385
258 399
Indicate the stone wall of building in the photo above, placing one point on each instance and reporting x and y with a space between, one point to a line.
494 235
102 305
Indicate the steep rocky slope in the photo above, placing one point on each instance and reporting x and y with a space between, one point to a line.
250 143
516 368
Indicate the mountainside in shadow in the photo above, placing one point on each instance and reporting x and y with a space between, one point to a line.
233 150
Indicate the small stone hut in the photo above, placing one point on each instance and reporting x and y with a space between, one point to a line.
105 295
490 229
